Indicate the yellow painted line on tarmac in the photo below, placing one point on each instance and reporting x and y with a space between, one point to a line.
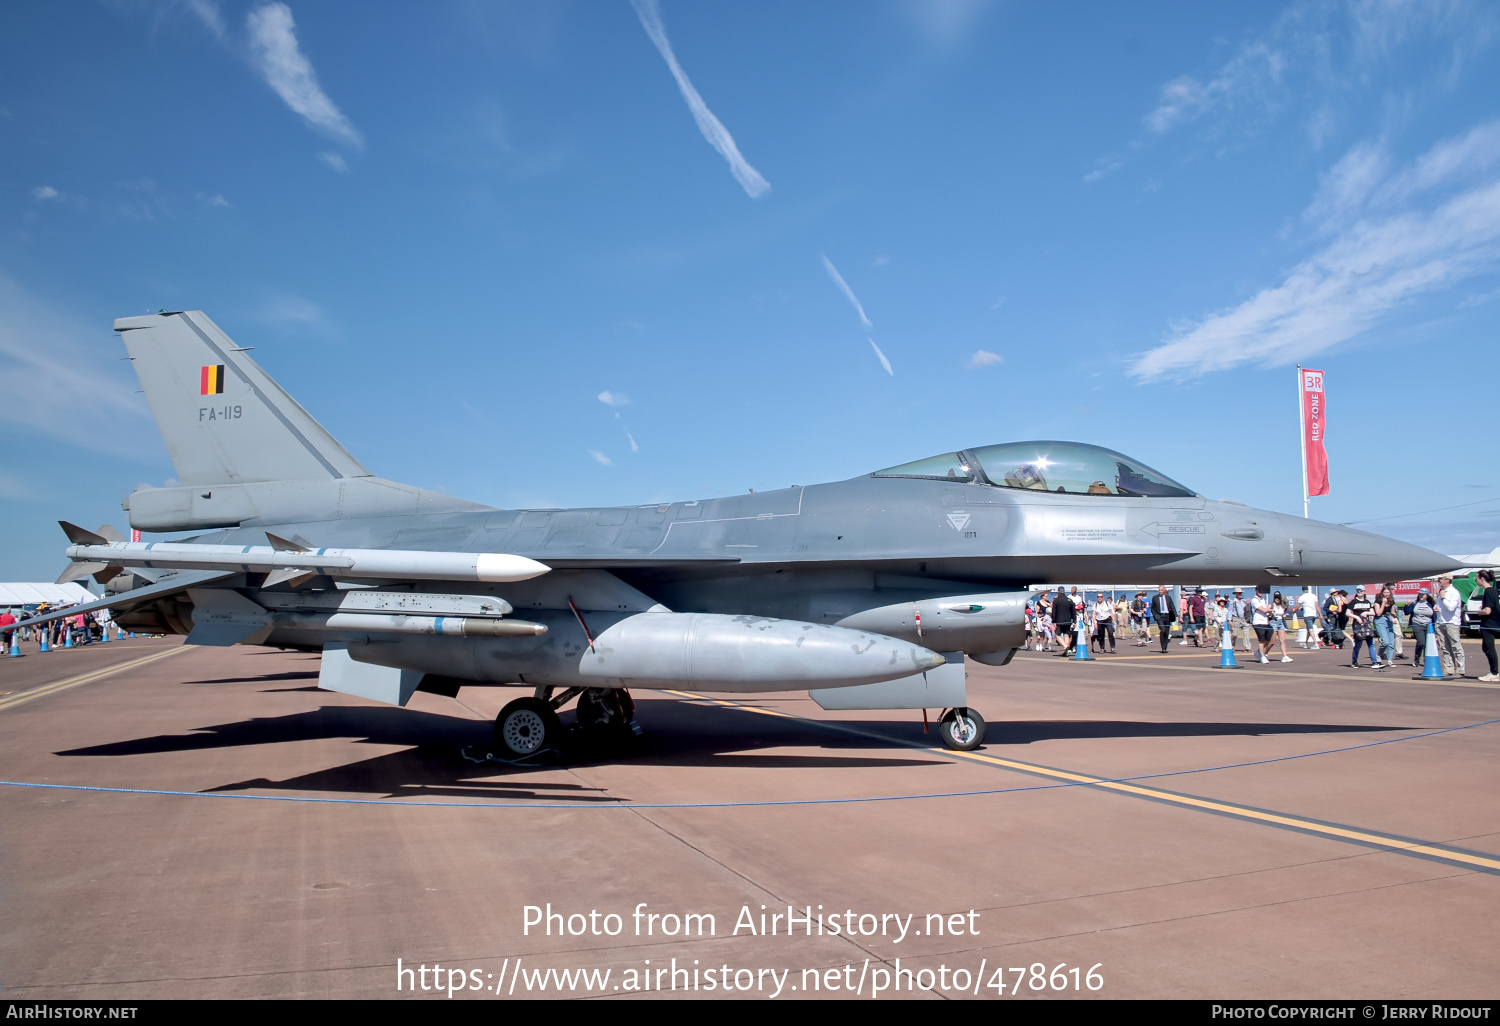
1489 863
22 697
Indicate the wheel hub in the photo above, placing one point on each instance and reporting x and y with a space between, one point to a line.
524 731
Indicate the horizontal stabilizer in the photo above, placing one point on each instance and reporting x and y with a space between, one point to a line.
170 586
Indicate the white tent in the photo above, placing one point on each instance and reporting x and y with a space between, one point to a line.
31 594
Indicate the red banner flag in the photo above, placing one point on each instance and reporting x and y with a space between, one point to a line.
1314 422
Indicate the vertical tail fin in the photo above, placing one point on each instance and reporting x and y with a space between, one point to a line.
224 420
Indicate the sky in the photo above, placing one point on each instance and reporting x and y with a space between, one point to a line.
553 254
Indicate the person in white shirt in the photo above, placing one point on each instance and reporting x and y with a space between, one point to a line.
1447 621
1260 619
1104 623
1308 607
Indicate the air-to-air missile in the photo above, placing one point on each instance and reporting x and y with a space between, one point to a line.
285 564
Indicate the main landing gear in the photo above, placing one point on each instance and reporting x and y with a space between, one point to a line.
961 729
530 726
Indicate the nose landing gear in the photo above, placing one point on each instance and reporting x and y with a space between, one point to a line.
961 729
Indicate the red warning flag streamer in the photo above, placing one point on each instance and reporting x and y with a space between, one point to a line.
1314 425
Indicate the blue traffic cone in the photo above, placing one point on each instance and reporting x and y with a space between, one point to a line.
15 643
67 637
45 647
1226 649
104 632
1081 646
1432 663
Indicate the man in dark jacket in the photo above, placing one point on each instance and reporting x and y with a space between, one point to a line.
1164 612
1489 622
1063 612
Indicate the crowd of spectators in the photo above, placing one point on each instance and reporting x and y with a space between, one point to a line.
16 625
1261 621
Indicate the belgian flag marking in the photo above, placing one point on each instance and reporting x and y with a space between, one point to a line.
211 380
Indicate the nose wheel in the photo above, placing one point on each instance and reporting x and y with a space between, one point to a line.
961 729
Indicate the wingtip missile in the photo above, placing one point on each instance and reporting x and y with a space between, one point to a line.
488 567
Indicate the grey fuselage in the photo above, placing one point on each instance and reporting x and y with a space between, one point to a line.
822 553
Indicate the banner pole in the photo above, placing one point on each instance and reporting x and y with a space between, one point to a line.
1302 434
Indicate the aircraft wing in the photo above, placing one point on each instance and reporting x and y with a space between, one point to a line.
177 582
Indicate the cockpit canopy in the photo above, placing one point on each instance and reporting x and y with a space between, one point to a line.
1071 468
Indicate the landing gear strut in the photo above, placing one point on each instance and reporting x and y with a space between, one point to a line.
961 729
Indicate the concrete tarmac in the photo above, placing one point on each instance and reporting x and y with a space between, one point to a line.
1324 832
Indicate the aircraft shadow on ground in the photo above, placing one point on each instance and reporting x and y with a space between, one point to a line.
266 677
678 734
434 764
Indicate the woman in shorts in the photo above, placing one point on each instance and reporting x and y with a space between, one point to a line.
1278 624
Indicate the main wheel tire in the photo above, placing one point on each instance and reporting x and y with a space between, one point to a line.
962 730
526 727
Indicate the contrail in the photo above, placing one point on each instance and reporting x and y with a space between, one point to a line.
838 279
712 128
883 361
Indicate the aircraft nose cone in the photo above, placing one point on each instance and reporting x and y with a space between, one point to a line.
1328 551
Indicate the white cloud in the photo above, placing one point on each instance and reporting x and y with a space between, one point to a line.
15 488
273 46
1348 184
1318 51
633 446
1382 249
601 457
207 11
614 398
218 201
881 356
286 310
44 192
335 161
65 379
838 279
713 130
1098 173
944 22
983 358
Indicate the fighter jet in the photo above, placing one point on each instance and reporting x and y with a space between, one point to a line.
867 593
